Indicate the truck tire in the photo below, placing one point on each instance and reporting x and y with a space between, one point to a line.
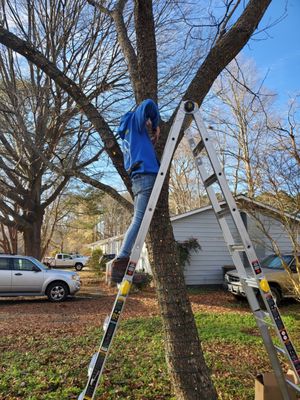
78 266
57 291
276 294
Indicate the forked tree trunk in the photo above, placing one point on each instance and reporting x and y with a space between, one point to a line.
189 373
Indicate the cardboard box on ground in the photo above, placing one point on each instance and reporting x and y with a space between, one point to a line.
266 387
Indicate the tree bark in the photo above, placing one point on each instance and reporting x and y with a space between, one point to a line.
32 233
32 239
33 214
146 50
9 239
188 371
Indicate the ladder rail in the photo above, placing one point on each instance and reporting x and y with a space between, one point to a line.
240 268
262 285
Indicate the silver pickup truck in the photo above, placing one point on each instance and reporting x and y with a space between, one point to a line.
64 260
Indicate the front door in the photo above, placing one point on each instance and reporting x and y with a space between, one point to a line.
5 275
26 276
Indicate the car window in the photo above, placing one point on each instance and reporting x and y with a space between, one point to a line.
293 265
59 256
40 264
4 264
275 262
23 264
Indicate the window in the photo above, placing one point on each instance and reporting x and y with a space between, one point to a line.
4 264
59 256
275 262
22 264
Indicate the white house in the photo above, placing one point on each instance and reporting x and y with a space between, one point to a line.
207 265
112 246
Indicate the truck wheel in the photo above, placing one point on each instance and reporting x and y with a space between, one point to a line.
78 266
276 294
57 291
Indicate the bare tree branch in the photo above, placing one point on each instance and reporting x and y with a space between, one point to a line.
227 47
27 50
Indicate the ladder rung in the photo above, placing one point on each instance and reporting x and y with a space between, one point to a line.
265 314
269 323
222 213
251 282
198 148
261 315
237 247
210 180
293 385
281 350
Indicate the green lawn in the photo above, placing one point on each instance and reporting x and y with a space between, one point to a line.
41 368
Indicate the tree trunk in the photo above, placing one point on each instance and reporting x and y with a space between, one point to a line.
189 373
32 237
146 50
32 232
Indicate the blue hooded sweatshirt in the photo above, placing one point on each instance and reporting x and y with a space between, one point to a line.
138 150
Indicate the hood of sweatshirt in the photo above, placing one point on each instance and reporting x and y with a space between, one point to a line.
124 123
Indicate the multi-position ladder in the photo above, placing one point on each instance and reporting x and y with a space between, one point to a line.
251 284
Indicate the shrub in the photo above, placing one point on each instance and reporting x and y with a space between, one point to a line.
142 279
184 249
93 262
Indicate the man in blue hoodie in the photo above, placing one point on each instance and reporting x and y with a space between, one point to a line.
139 132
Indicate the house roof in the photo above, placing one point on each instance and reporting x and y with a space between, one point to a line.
107 240
240 198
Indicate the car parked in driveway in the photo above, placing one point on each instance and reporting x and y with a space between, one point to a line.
279 279
26 276
62 260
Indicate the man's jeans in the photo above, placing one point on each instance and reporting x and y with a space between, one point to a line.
142 185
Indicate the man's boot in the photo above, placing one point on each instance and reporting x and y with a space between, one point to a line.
118 268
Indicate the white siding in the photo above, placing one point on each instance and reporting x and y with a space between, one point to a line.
206 265
273 228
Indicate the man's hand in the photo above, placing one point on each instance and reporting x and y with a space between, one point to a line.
155 135
153 132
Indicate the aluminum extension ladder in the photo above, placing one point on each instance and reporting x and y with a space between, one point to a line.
250 285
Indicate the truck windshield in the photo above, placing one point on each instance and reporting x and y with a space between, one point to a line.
275 262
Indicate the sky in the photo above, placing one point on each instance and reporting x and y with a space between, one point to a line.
277 53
